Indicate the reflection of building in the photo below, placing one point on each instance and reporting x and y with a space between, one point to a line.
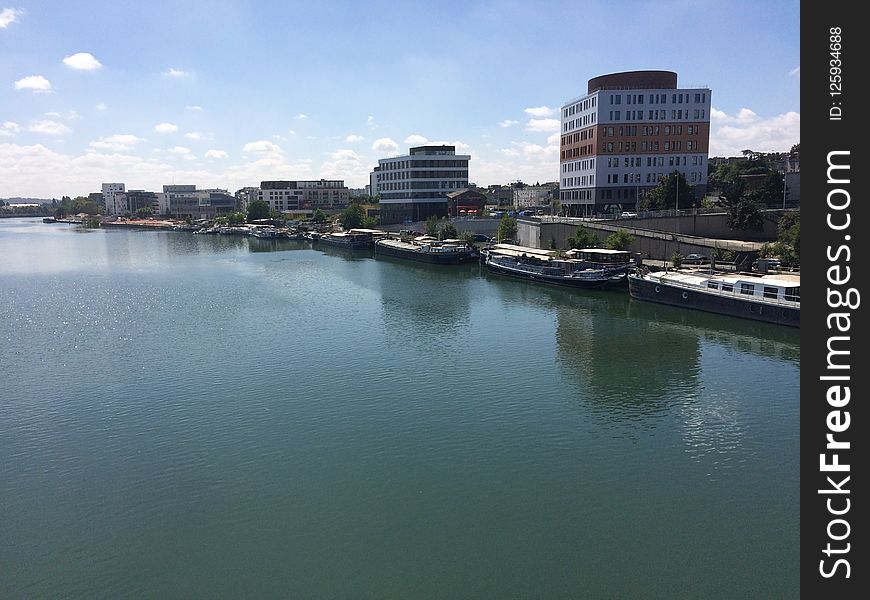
630 130
415 186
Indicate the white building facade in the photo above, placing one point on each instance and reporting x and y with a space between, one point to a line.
115 198
414 187
630 130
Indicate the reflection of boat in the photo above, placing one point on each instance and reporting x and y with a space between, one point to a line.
773 299
426 249
352 238
586 268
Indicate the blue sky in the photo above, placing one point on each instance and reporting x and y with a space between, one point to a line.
227 93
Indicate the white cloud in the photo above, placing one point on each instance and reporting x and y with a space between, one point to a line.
53 113
48 127
508 123
37 83
415 139
216 154
301 116
173 72
540 111
385 145
744 116
119 142
193 135
352 138
370 121
101 106
193 108
9 128
166 128
747 130
261 146
543 125
9 16
460 146
345 164
178 150
82 61
796 72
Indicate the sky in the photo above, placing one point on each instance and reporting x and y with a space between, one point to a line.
225 94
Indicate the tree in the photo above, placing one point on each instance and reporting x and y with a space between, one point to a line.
352 216
319 216
448 232
619 240
582 238
432 226
144 212
370 222
671 191
507 228
258 209
236 218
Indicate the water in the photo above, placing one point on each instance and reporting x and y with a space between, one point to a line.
224 417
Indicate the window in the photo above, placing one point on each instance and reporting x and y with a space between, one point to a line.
771 292
747 288
712 285
727 287
793 294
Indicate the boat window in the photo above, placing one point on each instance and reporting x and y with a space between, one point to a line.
727 287
771 292
793 294
712 285
747 288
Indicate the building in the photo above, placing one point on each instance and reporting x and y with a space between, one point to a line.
185 201
465 202
414 187
534 196
628 131
245 196
115 198
137 199
290 196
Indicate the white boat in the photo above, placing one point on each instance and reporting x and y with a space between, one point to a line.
769 298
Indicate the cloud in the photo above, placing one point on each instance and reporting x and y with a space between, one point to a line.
48 127
216 154
300 116
82 61
101 106
385 145
193 135
344 164
370 121
37 83
193 108
460 146
415 139
9 16
543 125
508 123
173 72
9 129
352 138
261 146
540 111
166 128
118 142
796 72
178 150
747 130
744 116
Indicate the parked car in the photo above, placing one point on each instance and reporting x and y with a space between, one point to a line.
479 237
695 259
772 263
627 215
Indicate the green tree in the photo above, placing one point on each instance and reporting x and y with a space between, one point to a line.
672 191
319 216
432 226
236 218
352 216
258 209
507 228
619 240
144 212
582 238
448 232
370 222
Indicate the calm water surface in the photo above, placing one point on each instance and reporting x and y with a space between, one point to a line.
208 416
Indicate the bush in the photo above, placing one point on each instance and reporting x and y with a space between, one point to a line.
677 260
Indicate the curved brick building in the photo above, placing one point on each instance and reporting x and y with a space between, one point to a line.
627 132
